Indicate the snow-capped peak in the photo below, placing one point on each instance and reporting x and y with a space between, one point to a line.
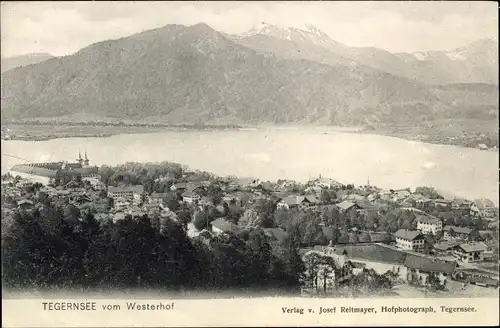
456 55
304 33
421 55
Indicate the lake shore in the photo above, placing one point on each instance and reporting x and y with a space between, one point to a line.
443 133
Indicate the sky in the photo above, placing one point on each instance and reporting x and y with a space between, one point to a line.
62 28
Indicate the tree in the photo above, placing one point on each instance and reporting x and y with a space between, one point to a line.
249 219
71 213
335 235
184 217
311 233
215 193
325 197
202 219
172 202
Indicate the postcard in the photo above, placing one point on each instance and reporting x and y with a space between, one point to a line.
319 163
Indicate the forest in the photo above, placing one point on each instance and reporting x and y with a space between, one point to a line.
54 248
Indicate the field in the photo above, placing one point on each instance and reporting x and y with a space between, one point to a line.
46 131
459 132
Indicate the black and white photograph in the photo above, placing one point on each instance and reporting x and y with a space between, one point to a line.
215 150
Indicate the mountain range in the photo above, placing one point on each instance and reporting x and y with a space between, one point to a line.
195 74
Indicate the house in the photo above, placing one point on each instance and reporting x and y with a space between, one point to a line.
244 183
130 193
483 281
136 213
324 183
297 201
456 233
410 240
366 207
121 204
429 225
357 267
462 205
158 198
325 272
446 247
25 204
83 199
354 197
469 253
420 269
400 195
190 197
347 206
381 258
423 202
181 186
442 203
314 190
223 226
486 208
151 208
490 246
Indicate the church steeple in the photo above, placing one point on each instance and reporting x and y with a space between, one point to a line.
79 160
86 162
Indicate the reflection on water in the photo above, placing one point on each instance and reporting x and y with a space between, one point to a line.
298 154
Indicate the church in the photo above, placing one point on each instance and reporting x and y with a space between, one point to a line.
46 173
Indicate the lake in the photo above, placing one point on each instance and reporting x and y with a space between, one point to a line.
288 153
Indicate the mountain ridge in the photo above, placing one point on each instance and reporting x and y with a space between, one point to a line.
195 74
431 67
8 63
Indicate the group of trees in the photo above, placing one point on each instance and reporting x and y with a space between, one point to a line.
55 247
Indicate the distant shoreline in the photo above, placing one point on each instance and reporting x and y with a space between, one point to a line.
43 131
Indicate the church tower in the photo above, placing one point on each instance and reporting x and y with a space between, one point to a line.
86 162
80 160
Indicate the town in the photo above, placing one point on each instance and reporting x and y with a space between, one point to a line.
150 225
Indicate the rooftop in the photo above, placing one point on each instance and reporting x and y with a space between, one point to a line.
345 205
427 219
225 225
408 234
372 252
427 264
138 189
444 246
476 247
158 195
297 200
459 230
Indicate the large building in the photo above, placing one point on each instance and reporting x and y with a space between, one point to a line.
130 193
429 225
410 240
46 173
